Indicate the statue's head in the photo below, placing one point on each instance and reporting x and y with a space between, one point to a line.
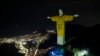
60 12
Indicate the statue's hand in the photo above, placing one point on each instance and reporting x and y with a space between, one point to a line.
76 15
48 17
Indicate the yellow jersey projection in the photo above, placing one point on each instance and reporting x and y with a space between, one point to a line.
60 25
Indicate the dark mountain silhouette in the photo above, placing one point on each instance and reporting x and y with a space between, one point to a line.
87 37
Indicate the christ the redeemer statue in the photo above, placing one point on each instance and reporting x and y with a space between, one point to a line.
60 25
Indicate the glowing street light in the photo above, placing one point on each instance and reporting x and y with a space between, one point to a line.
81 53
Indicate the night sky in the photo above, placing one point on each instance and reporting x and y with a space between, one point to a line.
26 16
22 17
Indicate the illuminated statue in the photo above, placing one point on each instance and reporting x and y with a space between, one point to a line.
60 25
